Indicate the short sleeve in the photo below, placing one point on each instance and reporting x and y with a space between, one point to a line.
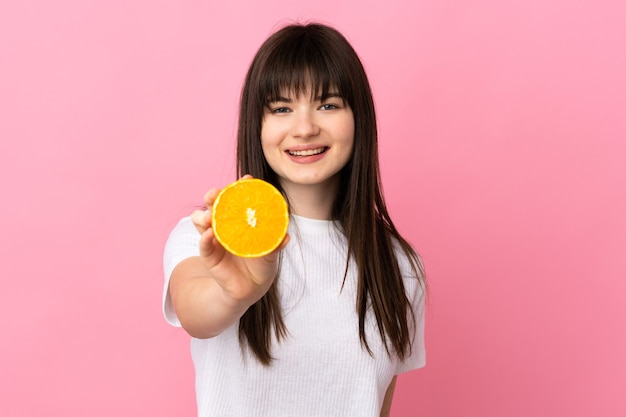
415 292
182 243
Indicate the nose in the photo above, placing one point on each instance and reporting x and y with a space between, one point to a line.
305 125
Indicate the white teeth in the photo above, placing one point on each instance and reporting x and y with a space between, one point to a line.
308 152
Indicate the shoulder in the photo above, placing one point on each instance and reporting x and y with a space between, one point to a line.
182 243
411 269
408 259
184 227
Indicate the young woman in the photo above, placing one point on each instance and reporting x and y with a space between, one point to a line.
322 326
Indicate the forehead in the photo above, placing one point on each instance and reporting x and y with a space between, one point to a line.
293 82
307 92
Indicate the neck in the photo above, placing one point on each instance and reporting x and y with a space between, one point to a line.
312 201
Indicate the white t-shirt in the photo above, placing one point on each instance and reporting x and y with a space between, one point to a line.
321 368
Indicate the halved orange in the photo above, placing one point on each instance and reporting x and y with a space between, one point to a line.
250 218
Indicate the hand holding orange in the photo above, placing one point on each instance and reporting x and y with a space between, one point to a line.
250 218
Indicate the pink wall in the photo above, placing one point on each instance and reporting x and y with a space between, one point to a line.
503 130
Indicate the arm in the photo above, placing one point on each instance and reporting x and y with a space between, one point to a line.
386 408
203 308
212 291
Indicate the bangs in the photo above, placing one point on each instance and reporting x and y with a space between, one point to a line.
298 67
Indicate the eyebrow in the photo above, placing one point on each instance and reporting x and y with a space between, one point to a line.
317 98
329 95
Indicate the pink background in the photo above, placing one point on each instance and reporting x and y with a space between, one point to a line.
503 145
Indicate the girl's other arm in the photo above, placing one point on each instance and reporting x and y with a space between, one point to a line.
386 409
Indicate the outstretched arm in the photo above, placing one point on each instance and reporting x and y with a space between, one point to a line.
212 291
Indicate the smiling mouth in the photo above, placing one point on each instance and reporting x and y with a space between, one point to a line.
308 152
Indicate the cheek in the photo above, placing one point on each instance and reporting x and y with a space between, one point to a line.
269 135
269 146
265 145
269 152
348 132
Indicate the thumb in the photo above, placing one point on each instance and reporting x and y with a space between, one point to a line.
273 256
210 248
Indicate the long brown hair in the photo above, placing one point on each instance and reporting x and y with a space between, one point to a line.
292 59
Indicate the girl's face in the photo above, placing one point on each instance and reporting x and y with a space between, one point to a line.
307 140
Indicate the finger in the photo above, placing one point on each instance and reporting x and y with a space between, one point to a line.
206 243
247 177
201 219
210 196
264 268
273 256
210 249
284 243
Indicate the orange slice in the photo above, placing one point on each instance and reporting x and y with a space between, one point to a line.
250 218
